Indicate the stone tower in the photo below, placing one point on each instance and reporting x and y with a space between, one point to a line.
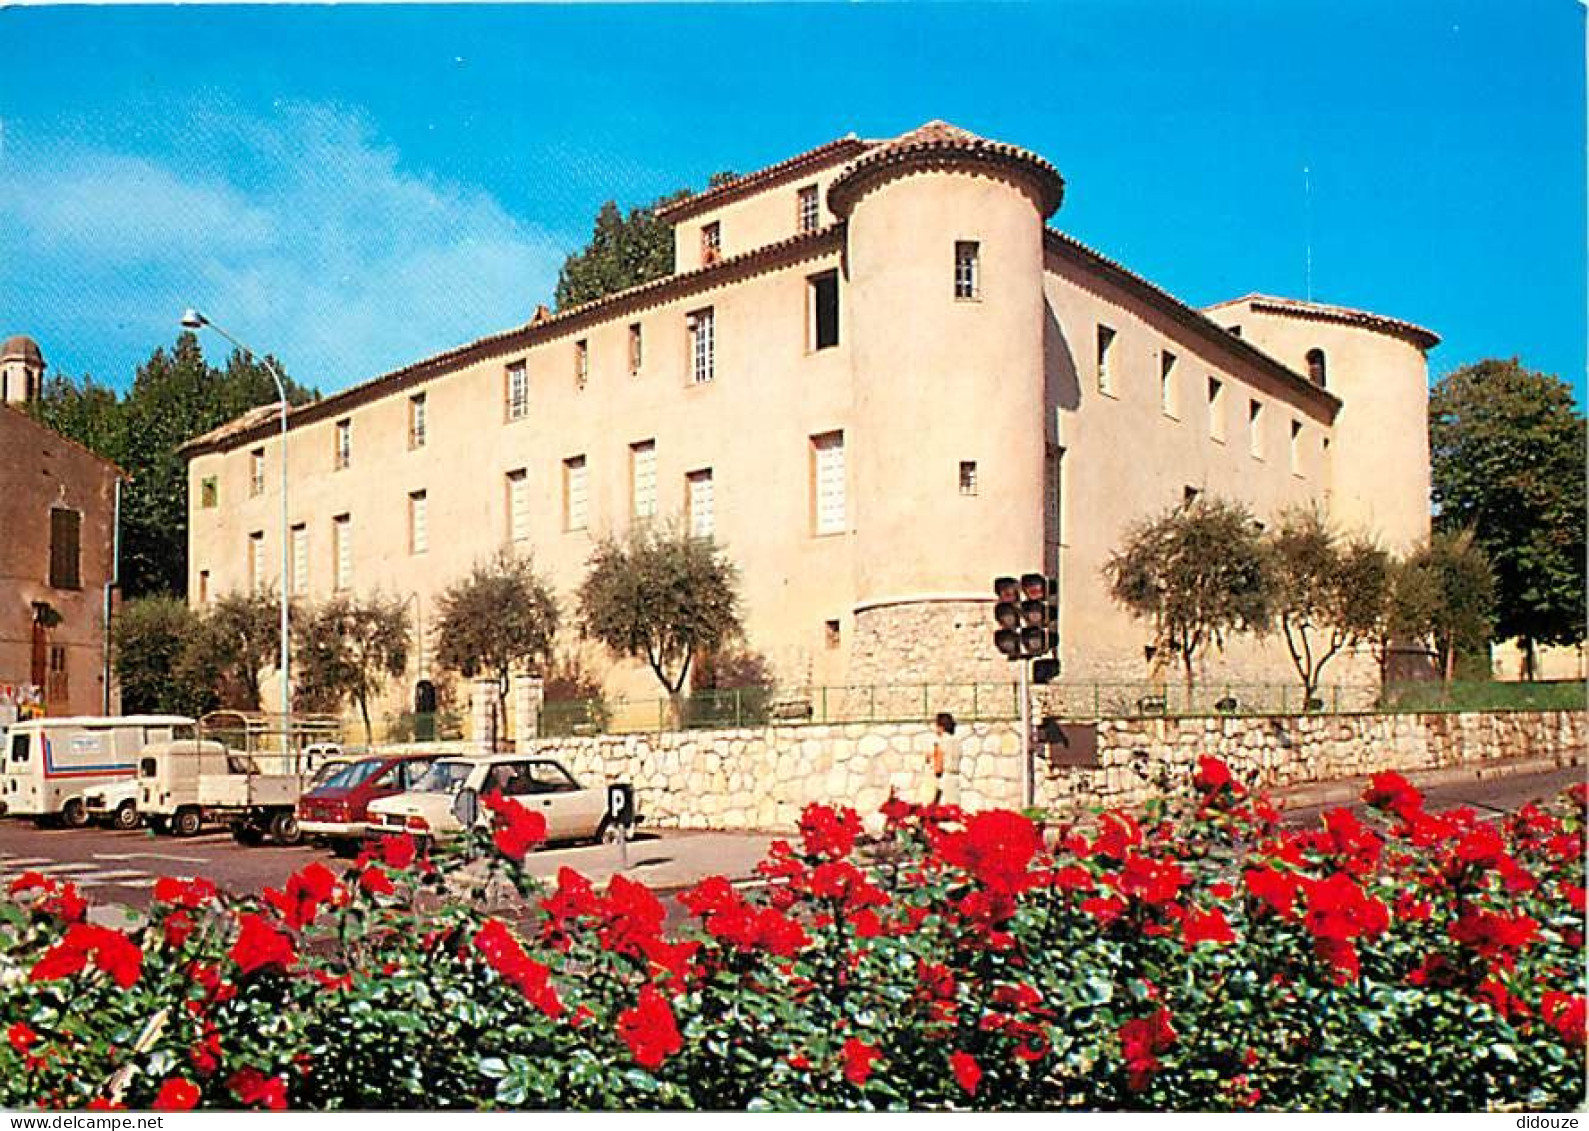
21 370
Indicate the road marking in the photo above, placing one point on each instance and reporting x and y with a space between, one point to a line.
24 861
53 869
150 856
96 879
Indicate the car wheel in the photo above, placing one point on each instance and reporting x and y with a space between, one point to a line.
126 816
284 829
249 835
187 822
74 814
608 831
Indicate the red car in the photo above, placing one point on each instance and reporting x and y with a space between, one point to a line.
334 812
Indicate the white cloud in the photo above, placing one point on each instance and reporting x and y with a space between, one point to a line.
302 235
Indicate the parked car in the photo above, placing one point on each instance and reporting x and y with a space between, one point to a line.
433 808
185 785
115 804
334 811
50 762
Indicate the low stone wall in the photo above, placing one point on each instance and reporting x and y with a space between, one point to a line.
761 778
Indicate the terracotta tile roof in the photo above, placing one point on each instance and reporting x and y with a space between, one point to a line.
1189 316
828 153
1271 304
258 422
936 142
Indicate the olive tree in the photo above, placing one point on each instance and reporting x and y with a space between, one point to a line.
1446 594
1196 573
150 638
501 617
1328 595
659 595
238 636
346 650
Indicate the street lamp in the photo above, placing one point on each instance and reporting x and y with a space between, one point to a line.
193 320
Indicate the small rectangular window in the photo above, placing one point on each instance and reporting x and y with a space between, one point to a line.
643 478
66 528
256 471
831 634
711 242
636 349
701 503
703 346
581 363
574 493
204 586
1167 397
518 505
828 483
1255 429
968 283
823 298
1189 494
209 492
300 560
342 549
968 477
1296 447
1216 409
416 420
256 562
344 442
1106 341
808 209
516 381
418 523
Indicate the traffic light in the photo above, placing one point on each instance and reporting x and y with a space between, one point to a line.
1027 612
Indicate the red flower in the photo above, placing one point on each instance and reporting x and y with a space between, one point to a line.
1141 1041
649 1029
1072 877
1118 833
1494 933
858 1058
1155 882
253 1087
1206 926
968 1074
1339 909
504 954
829 832
1566 1014
59 899
842 881
1277 889
517 829
111 952
190 894
176 1094
1392 792
397 851
178 926
1212 775
259 946
22 1037
373 881
1105 909
996 847
306 891
1481 846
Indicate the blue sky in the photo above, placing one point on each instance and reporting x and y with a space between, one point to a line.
352 188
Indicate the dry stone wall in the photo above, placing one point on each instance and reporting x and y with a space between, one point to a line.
761 778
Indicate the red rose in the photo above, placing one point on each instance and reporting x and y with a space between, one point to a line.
254 1088
1494 933
111 952
1118 832
1141 1041
178 927
1206 926
1212 775
1274 888
649 1029
1155 882
190 894
306 891
22 1037
259 945
968 1074
1105 909
1392 792
504 954
1566 1014
176 1094
996 847
829 832
373 881
516 829
858 1058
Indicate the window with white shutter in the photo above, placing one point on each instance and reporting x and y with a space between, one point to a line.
700 502
256 562
703 346
574 493
518 505
256 471
643 478
518 391
418 523
342 548
827 455
300 559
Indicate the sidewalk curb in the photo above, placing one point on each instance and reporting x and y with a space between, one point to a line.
1351 789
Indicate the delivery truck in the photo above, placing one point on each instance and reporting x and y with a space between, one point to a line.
50 762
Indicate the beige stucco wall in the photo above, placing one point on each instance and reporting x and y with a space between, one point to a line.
39 470
754 221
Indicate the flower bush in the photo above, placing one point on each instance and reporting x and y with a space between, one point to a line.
1196 955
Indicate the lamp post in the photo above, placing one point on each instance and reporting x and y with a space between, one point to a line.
193 320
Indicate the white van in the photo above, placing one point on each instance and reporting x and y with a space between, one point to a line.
186 784
49 762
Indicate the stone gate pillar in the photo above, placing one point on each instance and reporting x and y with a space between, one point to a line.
529 693
484 726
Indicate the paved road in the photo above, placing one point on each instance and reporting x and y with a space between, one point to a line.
1489 795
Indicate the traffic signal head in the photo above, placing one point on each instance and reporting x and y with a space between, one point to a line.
1008 642
1006 589
1027 612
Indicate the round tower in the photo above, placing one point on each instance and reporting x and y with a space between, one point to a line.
944 267
21 370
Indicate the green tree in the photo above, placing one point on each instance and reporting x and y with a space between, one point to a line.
1507 460
149 640
346 649
1446 594
501 617
623 251
1328 596
661 596
1197 573
85 411
238 636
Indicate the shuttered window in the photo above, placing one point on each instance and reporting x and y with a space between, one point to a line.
574 493
827 453
701 503
300 559
643 477
418 523
65 537
256 562
342 549
518 505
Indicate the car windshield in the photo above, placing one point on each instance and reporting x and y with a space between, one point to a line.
347 777
444 777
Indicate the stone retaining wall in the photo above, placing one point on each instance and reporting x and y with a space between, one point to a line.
761 778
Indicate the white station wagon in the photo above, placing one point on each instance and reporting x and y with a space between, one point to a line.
432 808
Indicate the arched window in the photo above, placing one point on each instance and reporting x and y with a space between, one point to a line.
1316 367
